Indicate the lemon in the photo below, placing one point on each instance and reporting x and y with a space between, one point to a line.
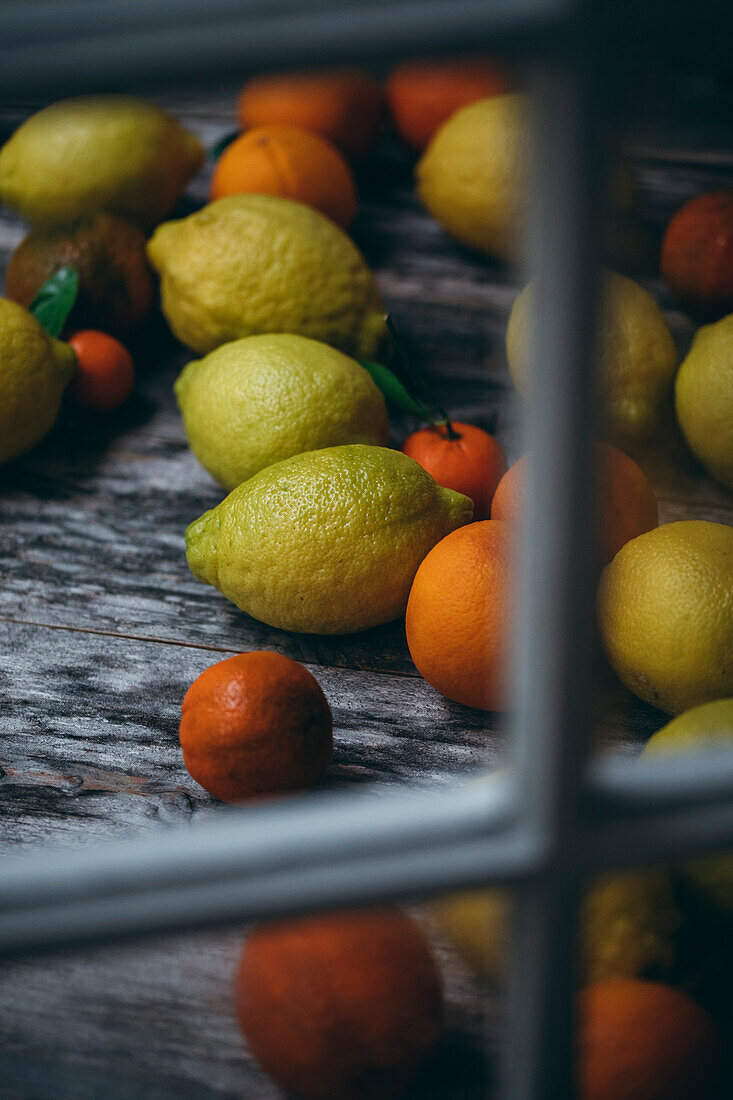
709 726
326 542
629 926
471 176
636 355
665 609
704 398
34 372
110 153
249 264
260 399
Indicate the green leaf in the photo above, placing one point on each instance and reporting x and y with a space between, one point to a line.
215 150
394 392
55 300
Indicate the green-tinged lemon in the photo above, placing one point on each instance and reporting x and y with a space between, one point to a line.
260 399
665 613
109 153
704 398
629 926
326 542
249 264
34 372
636 355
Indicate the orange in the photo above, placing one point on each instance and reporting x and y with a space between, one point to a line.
344 1006
459 614
105 372
255 724
646 1041
343 105
423 94
626 503
697 255
472 464
296 164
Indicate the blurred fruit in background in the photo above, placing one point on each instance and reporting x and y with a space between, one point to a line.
461 457
296 164
258 400
646 1041
665 611
340 1006
704 398
471 176
423 94
703 728
105 372
460 613
626 505
115 282
111 153
35 369
697 256
345 106
636 356
628 928
255 724
252 264
326 542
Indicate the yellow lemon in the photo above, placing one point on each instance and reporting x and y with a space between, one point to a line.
249 264
665 611
111 153
258 400
34 372
704 398
636 355
326 542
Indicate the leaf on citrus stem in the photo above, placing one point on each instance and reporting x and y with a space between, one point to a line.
55 300
393 390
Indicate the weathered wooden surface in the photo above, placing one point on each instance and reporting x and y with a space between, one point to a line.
102 628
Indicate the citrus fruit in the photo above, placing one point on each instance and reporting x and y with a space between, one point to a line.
344 1006
326 542
252 264
255 724
423 94
625 503
35 370
645 1041
105 372
636 355
108 253
703 728
697 255
260 399
459 615
466 459
471 176
108 153
629 926
343 105
665 611
704 398
296 164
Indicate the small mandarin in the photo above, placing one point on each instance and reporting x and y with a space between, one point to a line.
342 105
255 724
467 459
293 163
626 503
459 614
105 372
423 94
697 255
344 1006
643 1040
